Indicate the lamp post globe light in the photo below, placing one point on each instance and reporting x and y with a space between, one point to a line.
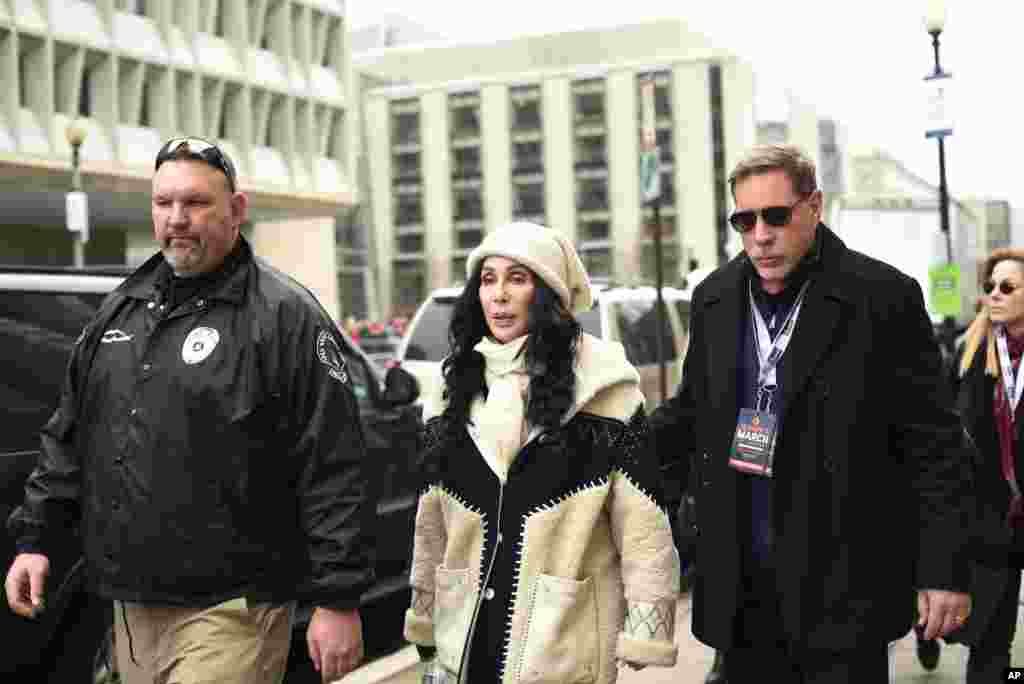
935 17
77 206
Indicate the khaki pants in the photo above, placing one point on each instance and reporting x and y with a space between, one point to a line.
235 642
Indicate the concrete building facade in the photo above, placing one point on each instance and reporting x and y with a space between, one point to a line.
547 129
269 80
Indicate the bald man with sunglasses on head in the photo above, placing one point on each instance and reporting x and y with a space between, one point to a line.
833 475
207 444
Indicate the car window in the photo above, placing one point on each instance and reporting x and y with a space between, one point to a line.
638 325
429 337
37 331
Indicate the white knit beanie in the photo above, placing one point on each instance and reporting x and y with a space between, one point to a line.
544 251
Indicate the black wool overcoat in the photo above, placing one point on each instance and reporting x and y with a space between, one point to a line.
873 481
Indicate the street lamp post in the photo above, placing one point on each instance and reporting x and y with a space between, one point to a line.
77 202
935 20
650 192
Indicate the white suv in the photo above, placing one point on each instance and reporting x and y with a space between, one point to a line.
622 314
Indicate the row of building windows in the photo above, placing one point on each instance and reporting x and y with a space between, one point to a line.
286 28
590 163
93 84
527 154
353 252
409 271
467 178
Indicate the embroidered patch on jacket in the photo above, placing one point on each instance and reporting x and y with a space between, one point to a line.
111 336
329 353
199 344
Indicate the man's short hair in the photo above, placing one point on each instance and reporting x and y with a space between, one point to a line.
765 158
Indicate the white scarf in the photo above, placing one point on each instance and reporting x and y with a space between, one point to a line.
501 418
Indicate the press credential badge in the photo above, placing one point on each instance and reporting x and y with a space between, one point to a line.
753 446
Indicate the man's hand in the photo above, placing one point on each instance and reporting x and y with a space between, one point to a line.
26 583
335 640
942 611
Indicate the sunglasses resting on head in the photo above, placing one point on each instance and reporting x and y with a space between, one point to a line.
191 147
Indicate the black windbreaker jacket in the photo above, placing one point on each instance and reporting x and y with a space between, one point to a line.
209 452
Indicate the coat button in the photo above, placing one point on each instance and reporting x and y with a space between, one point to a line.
489 593
830 464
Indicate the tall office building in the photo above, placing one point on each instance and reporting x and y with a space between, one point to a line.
546 128
269 80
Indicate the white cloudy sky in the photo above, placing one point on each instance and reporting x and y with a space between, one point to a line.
859 61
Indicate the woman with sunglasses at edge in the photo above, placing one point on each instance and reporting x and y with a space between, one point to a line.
542 550
991 383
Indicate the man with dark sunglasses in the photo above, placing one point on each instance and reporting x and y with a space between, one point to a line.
834 480
207 444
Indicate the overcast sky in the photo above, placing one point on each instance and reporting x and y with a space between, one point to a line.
861 62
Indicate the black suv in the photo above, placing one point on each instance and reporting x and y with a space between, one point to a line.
42 312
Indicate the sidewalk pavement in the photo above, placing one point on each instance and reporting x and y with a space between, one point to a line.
695 659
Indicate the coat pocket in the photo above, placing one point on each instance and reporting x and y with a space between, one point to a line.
562 638
454 599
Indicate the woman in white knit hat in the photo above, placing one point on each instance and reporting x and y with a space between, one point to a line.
542 551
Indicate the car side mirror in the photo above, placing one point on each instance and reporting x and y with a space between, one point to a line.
400 387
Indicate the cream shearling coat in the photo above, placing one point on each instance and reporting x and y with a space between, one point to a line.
576 559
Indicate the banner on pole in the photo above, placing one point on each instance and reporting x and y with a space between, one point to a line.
650 175
77 211
938 114
944 289
650 160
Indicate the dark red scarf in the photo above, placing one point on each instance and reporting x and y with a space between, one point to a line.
1005 429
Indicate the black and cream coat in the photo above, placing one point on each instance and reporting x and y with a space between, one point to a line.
559 567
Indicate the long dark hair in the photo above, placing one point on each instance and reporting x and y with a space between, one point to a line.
550 355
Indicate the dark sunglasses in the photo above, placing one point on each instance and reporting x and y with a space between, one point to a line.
202 150
1005 286
744 221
